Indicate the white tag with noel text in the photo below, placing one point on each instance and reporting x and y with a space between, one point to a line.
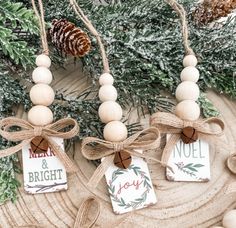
130 189
190 162
43 172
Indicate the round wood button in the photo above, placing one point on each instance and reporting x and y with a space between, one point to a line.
39 145
189 135
122 159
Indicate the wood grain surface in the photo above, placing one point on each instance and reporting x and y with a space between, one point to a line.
180 205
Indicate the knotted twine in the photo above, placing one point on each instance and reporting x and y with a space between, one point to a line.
28 132
144 140
171 124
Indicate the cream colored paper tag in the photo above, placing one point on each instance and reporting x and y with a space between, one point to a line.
130 189
43 172
190 162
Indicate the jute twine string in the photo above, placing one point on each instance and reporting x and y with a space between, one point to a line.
170 124
145 140
182 14
40 17
92 29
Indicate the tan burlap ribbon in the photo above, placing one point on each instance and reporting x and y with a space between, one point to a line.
29 131
170 124
231 163
147 139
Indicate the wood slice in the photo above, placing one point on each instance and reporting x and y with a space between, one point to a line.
179 204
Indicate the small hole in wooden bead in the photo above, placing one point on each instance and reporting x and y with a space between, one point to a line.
109 111
43 60
107 93
42 94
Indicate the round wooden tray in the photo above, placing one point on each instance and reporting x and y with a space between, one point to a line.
179 204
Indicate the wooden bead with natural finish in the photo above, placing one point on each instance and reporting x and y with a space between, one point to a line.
39 145
190 60
189 135
187 91
43 60
42 94
109 111
106 79
229 219
40 115
115 131
42 75
107 93
122 159
187 110
190 73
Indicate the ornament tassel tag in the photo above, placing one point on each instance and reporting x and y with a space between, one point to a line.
130 188
42 170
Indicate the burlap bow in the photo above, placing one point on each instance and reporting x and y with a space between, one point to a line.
144 140
29 131
171 124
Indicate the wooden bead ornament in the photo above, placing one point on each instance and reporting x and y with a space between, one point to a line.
109 111
190 60
107 93
43 60
187 91
187 110
42 75
42 94
40 115
229 219
190 73
115 131
106 79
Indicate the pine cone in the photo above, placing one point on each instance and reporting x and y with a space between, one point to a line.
68 38
210 10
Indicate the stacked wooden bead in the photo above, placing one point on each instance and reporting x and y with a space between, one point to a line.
41 94
110 112
187 92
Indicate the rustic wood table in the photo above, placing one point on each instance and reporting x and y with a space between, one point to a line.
179 204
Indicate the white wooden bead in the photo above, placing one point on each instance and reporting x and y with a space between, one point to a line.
190 60
190 73
106 79
43 60
42 94
109 111
42 75
115 131
107 93
187 110
229 220
40 115
187 91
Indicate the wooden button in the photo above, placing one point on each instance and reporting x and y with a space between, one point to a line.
122 159
189 135
39 145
